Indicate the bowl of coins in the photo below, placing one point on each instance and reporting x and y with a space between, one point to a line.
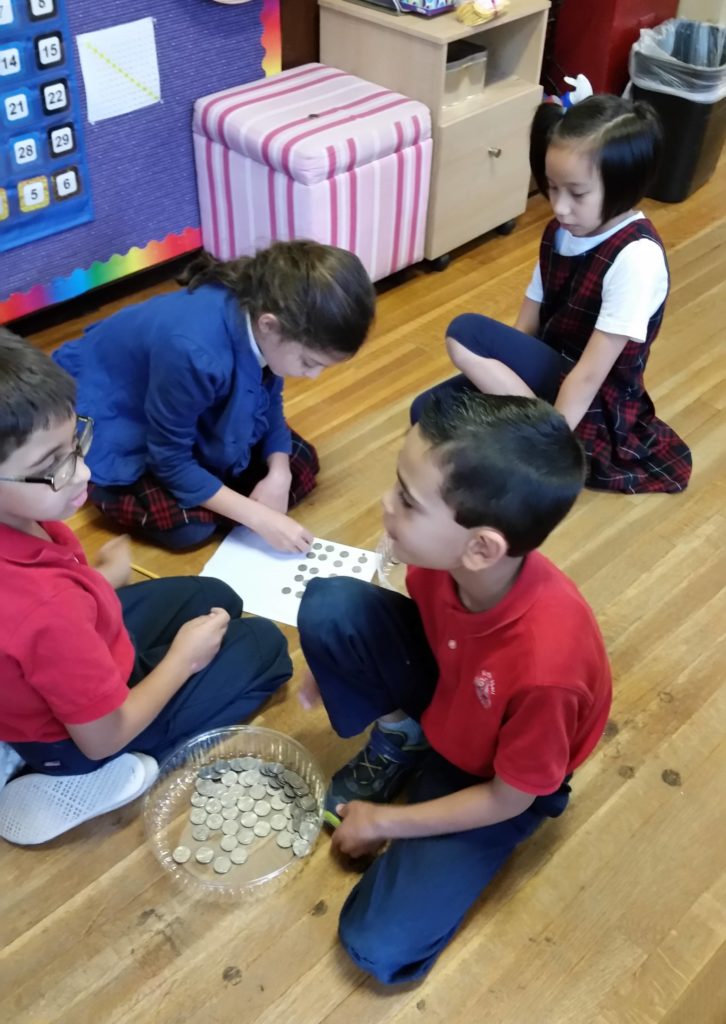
234 809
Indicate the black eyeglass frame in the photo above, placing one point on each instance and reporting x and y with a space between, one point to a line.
81 446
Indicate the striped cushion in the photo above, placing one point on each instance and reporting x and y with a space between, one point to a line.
312 122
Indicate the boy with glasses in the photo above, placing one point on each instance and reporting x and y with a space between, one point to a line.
98 683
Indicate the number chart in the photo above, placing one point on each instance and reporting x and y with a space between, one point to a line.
44 184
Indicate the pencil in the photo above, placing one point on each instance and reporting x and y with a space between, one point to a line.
145 572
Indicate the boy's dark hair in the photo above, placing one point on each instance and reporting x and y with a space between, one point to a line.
508 462
321 295
625 139
34 392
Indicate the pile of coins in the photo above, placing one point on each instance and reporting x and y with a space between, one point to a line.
239 801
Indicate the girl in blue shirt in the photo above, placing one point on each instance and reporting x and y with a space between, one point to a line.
185 391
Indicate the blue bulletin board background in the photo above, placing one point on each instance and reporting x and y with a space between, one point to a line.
140 165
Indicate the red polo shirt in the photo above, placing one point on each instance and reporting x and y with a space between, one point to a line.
65 654
524 689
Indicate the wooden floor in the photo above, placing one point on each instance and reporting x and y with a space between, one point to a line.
614 914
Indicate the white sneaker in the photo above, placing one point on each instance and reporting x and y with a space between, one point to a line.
36 808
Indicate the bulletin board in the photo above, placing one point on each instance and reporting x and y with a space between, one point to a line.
129 190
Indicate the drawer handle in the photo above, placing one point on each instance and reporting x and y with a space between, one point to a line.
495 151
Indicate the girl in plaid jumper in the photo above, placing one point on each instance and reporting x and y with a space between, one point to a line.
185 390
595 302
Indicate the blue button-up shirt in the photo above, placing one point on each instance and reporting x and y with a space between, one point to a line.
175 388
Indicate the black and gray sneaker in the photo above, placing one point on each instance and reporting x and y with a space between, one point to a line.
377 773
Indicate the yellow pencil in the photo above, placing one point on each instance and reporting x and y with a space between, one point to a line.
145 572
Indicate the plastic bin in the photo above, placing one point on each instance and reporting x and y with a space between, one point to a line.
680 69
465 76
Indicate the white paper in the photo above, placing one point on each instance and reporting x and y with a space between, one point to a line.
120 69
271 584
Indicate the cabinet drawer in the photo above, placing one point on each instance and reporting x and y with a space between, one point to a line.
481 172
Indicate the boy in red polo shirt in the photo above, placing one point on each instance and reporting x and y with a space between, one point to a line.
98 681
487 690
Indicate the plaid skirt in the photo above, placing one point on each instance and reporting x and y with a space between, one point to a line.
147 505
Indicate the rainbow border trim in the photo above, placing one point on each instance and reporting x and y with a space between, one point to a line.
82 280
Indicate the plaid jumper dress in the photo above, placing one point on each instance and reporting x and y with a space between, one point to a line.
629 449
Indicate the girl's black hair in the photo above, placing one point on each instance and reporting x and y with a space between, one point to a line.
624 138
507 462
320 294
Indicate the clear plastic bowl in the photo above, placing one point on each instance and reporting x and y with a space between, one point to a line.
167 807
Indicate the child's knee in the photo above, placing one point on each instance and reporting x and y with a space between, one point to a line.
329 602
182 537
220 595
376 946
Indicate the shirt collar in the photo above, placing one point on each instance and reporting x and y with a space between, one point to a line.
513 605
26 549
253 344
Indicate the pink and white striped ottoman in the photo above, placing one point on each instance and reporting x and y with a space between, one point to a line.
314 153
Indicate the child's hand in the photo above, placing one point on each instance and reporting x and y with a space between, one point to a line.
273 491
114 561
199 640
360 833
308 695
283 533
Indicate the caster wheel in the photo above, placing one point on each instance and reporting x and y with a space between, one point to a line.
507 227
440 263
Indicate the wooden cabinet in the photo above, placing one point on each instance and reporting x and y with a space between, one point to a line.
480 174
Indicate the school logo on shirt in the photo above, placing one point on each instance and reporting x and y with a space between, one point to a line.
484 686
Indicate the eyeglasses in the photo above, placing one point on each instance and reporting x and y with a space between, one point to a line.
65 469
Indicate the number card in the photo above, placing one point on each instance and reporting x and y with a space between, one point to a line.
39 9
33 194
6 12
10 63
49 50
44 181
62 140
25 150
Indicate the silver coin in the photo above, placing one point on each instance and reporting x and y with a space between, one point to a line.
214 821
284 840
205 854
229 813
230 827
198 800
245 836
278 802
200 833
214 806
276 768
228 799
278 822
202 787
250 777
308 831
303 789
228 843
238 855
273 786
245 803
198 816
262 829
181 854
206 771
222 865
262 808
249 762
221 766
249 819
237 764
258 791
308 803
229 779
301 847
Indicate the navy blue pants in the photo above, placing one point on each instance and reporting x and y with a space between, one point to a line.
536 363
368 652
251 664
